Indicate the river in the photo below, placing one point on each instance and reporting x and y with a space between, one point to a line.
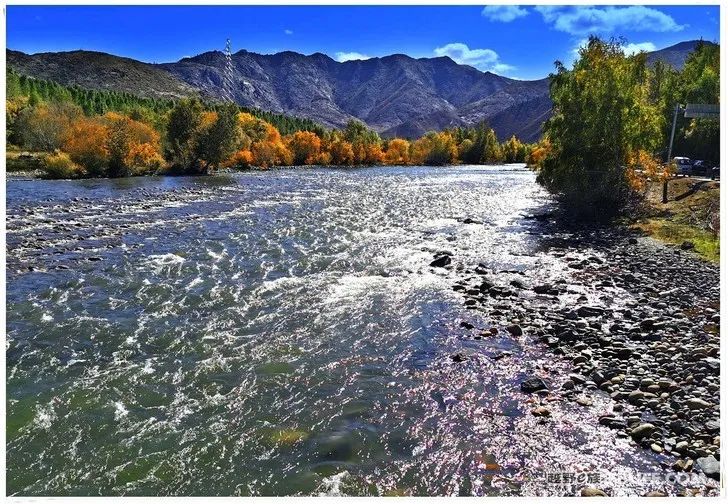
276 333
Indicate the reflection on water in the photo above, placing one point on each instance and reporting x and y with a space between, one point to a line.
274 333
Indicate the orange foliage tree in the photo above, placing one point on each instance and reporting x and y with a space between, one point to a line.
305 147
373 154
133 147
341 152
642 167
539 153
242 158
86 142
398 152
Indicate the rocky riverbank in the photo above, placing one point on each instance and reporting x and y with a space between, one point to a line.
637 321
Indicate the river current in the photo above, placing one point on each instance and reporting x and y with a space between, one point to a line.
276 333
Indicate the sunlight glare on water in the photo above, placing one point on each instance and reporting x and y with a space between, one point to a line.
263 333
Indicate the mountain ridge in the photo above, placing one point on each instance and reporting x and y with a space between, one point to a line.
397 95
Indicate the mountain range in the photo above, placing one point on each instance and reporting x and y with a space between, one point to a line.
396 95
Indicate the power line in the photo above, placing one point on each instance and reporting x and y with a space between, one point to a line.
228 86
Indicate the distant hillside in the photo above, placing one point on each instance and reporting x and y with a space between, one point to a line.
99 101
396 95
101 71
675 55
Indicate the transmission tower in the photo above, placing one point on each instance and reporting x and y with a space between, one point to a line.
228 87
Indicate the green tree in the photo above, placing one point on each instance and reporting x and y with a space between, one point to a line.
602 115
184 120
219 140
699 82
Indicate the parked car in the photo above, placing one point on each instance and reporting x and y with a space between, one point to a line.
715 172
701 167
683 166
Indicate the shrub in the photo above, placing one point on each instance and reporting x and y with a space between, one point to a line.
241 159
144 159
60 166
87 144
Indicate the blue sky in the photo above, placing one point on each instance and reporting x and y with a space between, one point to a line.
515 41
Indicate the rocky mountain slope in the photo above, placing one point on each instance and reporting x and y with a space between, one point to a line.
96 70
396 95
674 55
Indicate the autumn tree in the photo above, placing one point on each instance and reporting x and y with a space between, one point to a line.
133 147
270 150
434 149
397 152
538 153
86 142
491 148
373 154
477 145
341 152
305 147
365 143
241 159
43 126
513 151
60 166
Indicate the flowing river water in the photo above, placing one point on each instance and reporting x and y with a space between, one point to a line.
281 333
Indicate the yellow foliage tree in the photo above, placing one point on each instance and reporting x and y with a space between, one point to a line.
397 152
373 154
341 152
434 149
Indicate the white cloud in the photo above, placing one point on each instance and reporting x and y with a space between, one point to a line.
288 32
482 59
639 47
629 49
350 56
502 68
575 51
604 20
503 13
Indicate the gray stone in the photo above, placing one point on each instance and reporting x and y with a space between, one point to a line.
441 262
695 403
515 330
592 492
532 384
710 466
642 431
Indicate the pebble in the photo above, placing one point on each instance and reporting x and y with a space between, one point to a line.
533 384
642 431
592 492
710 466
584 401
541 411
696 404
641 324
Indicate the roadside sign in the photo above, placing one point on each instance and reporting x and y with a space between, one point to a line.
702 110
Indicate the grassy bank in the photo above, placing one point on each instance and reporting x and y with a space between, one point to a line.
23 161
691 215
